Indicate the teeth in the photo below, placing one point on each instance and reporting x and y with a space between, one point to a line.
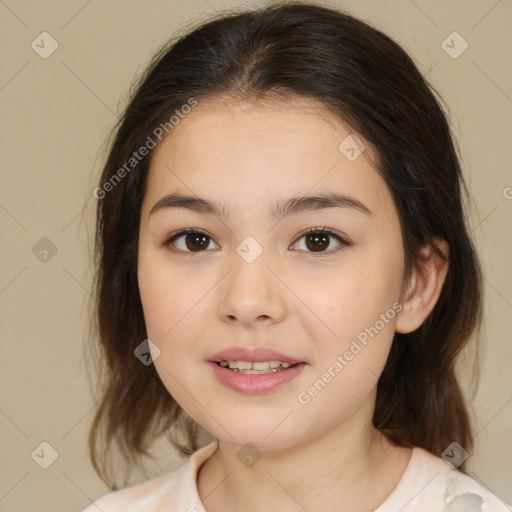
255 367
241 365
265 365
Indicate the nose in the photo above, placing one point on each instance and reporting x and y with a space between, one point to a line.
251 294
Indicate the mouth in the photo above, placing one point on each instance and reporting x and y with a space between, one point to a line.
255 377
255 371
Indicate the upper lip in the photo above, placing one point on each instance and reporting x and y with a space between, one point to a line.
254 355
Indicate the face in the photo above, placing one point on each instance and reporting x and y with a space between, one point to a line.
249 276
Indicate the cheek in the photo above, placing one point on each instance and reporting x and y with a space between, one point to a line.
349 362
355 298
169 314
168 298
358 308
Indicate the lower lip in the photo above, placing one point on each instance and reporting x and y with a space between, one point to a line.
255 384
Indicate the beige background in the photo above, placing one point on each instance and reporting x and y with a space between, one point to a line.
56 113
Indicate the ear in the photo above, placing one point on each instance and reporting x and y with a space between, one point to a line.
422 290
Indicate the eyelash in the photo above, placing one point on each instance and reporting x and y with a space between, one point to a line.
318 230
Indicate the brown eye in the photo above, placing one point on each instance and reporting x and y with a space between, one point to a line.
193 240
196 241
318 240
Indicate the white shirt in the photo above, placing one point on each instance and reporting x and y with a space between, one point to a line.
428 484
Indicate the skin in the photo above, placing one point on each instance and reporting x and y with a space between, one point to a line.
323 455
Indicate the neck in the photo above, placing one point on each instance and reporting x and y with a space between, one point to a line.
345 468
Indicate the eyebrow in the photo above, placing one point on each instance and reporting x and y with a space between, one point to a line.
281 209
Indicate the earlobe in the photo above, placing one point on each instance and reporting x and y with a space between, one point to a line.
424 286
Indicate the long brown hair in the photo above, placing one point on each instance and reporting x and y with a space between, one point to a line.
366 79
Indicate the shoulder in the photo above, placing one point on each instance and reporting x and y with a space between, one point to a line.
464 493
432 484
144 496
173 491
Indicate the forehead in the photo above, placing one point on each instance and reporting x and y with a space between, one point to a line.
252 153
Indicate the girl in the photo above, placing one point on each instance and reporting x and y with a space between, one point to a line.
284 267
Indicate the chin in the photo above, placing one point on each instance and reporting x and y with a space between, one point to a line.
258 442
263 435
